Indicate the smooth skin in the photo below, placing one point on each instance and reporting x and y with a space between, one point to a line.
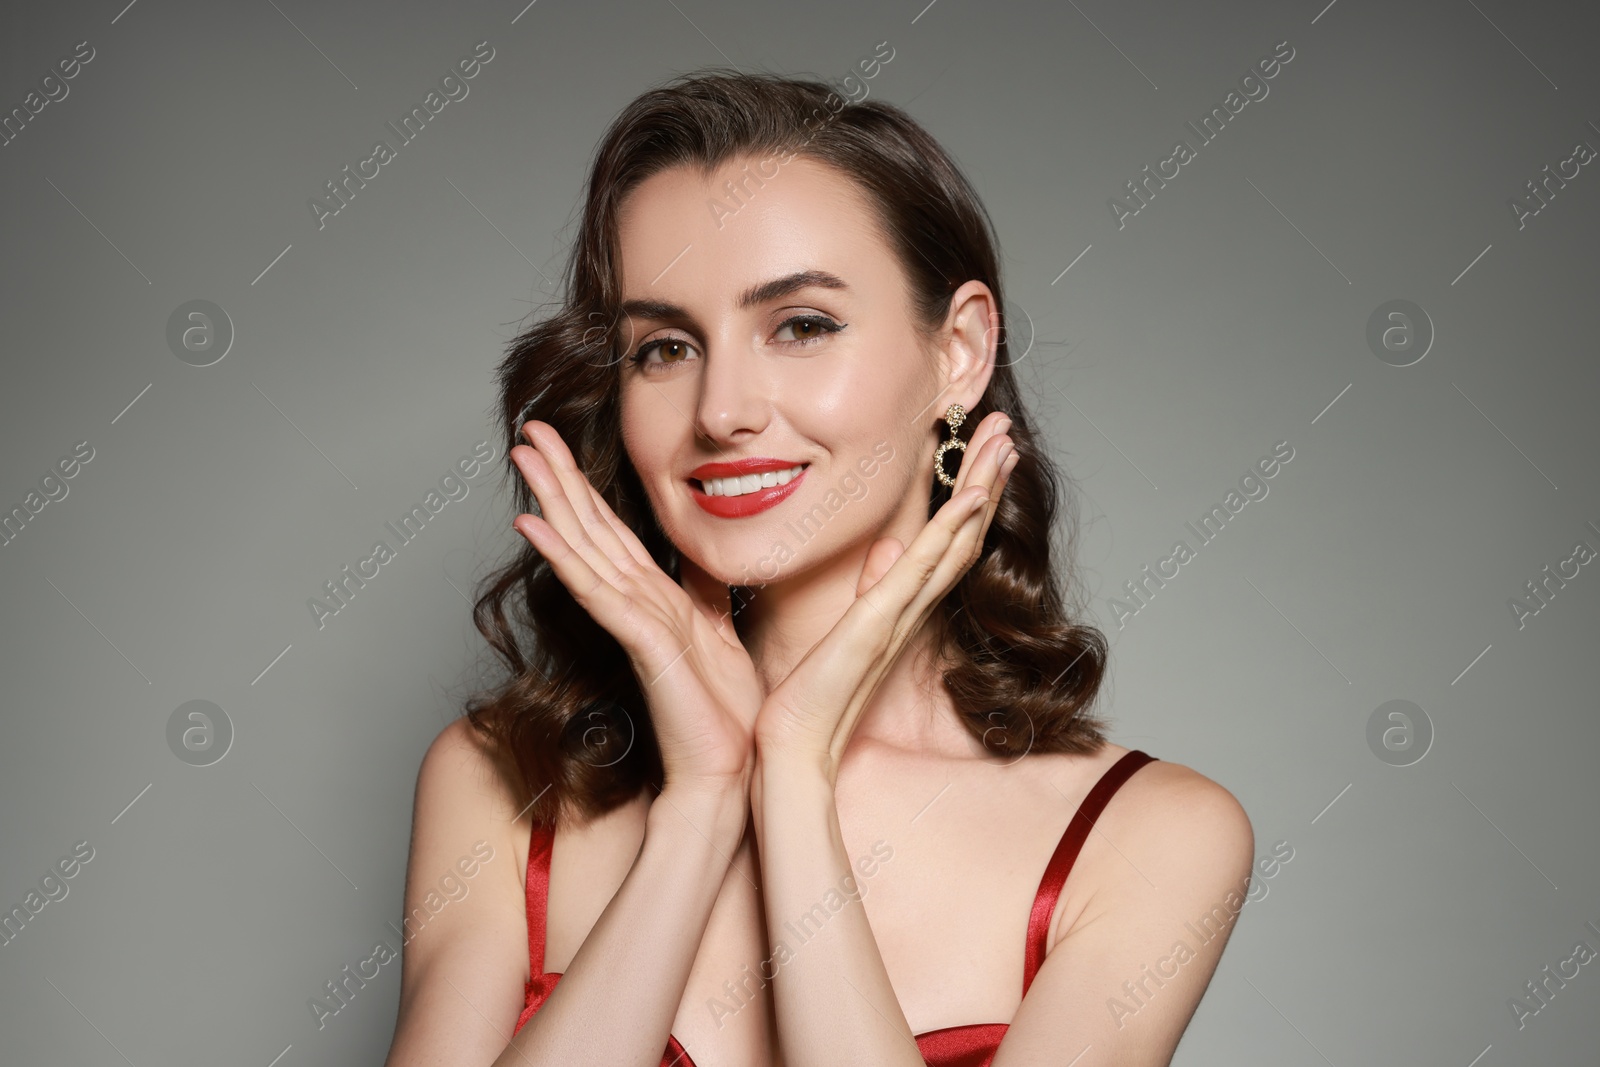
793 748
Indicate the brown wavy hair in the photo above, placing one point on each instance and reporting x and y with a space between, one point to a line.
571 717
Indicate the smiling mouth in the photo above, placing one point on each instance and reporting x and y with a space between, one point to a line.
743 485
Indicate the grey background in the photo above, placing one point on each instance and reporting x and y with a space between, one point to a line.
1226 316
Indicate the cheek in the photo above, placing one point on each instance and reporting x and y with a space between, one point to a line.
872 400
640 430
877 383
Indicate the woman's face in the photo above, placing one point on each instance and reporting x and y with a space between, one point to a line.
774 335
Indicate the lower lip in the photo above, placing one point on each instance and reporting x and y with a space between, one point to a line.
735 507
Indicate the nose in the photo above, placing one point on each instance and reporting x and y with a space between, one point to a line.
735 401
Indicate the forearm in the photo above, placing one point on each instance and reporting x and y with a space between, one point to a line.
832 995
616 1001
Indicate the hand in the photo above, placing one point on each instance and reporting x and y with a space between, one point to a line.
696 676
810 715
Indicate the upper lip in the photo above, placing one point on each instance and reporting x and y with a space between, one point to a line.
740 467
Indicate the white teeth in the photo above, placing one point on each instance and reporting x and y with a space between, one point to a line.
749 483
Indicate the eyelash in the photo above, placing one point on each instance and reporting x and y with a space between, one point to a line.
828 327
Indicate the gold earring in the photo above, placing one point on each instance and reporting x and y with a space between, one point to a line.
955 415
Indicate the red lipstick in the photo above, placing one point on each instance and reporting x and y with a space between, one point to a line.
734 507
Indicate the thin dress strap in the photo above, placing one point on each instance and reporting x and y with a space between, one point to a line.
540 844
538 989
1066 853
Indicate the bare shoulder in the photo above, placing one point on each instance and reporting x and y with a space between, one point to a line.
462 770
1173 800
1168 866
464 923
1181 837
467 789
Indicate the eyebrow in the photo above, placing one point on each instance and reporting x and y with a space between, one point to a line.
756 294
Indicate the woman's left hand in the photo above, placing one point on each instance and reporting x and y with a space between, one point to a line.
808 718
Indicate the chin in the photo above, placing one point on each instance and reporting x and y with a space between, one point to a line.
728 564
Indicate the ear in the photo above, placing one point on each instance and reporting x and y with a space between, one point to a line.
972 337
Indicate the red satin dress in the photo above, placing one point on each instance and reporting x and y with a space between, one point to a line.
970 1045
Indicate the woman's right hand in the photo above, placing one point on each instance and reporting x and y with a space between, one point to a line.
696 675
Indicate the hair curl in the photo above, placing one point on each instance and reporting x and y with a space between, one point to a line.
571 717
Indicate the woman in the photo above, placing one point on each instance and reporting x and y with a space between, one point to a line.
801 757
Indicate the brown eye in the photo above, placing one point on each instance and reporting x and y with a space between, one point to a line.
808 328
673 351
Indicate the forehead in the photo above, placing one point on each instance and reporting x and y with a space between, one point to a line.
683 234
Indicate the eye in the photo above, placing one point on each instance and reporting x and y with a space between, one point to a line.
803 330
808 328
674 350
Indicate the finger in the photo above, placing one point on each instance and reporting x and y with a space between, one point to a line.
945 547
950 556
992 471
896 591
995 424
863 640
586 502
629 539
902 590
566 502
1007 461
991 463
556 510
880 557
993 468
843 669
602 512
608 605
